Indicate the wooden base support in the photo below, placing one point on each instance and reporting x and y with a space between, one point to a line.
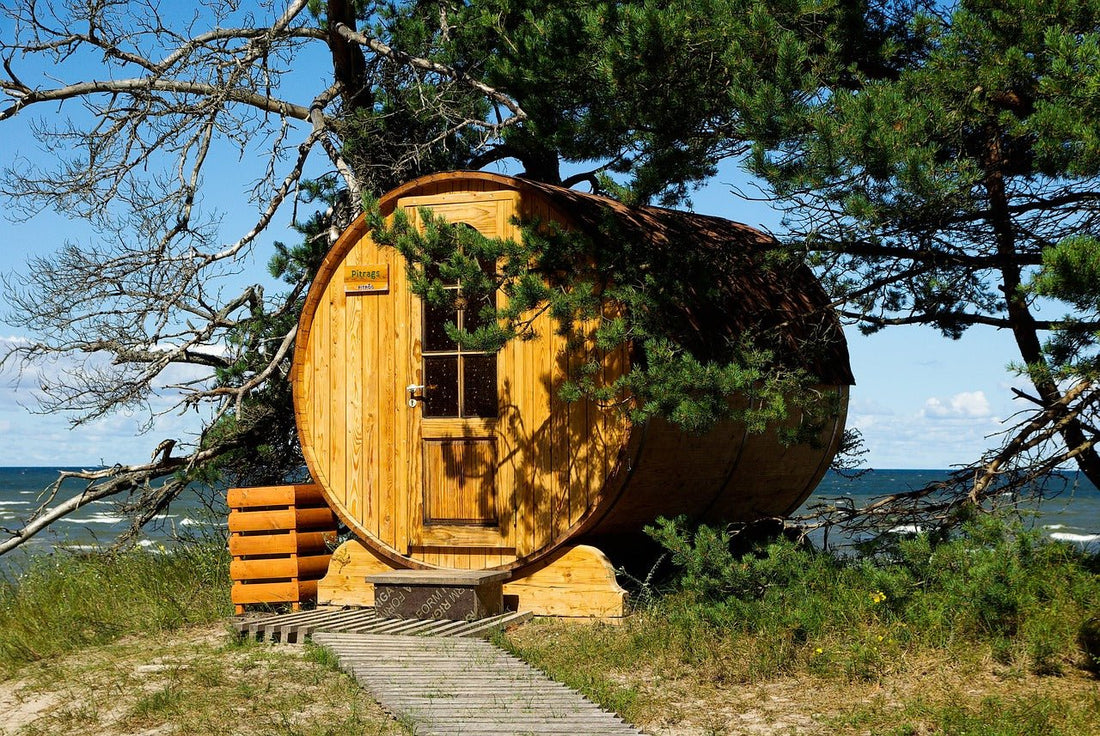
577 582
345 583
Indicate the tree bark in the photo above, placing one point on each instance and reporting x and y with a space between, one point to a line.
1024 326
348 63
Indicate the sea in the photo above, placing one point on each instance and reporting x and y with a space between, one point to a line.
1071 513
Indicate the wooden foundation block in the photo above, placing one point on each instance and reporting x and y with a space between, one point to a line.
578 582
345 583
456 595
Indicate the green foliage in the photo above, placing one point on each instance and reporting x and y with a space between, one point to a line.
261 428
1071 272
993 583
605 293
978 137
64 601
1089 639
657 93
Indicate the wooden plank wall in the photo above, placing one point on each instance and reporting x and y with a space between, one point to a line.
278 538
367 451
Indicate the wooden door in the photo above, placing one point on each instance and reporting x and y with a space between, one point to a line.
461 489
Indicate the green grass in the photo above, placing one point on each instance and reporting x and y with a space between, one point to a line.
65 601
975 634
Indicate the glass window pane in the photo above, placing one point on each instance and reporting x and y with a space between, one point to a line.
441 386
471 316
435 335
480 385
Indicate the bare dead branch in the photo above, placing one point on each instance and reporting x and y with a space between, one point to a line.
404 59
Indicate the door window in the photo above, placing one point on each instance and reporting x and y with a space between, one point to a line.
458 382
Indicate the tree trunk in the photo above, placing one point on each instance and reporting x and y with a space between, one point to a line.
1024 329
348 63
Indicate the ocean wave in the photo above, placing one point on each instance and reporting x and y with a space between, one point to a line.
1054 526
14 503
907 529
1080 538
97 519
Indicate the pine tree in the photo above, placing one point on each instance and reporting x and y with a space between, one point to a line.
932 189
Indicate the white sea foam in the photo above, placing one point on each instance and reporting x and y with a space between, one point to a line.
907 529
96 519
1054 526
1082 538
14 503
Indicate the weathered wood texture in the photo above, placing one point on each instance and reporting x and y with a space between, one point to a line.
278 538
506 492
466 686
295 628
456 595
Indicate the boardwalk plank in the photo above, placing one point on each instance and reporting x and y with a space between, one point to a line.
465 686
441 676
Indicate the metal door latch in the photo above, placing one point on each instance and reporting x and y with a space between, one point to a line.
412 389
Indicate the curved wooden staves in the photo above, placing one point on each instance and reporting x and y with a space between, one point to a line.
542 473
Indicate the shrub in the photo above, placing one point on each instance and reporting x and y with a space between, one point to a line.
1089 639
1021 596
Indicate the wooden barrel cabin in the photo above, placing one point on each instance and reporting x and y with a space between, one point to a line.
487 467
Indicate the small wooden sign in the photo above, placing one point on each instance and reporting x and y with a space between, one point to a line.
366 279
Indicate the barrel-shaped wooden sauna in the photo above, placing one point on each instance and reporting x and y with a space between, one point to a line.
488 467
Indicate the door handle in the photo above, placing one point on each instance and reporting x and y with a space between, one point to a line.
411 390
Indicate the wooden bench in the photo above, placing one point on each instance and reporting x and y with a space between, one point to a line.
279 537
456 595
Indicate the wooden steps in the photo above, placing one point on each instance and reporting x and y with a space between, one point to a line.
294 628
449 686
278 537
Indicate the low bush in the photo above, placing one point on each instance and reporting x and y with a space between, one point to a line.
1015 592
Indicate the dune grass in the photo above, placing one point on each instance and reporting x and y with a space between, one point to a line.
975 634
64 601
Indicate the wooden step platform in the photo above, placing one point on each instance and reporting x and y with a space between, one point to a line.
451 686
294 628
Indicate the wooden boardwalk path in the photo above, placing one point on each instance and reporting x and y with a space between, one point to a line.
294 628
465 686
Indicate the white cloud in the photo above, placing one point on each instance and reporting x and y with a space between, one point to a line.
48 439
968 404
